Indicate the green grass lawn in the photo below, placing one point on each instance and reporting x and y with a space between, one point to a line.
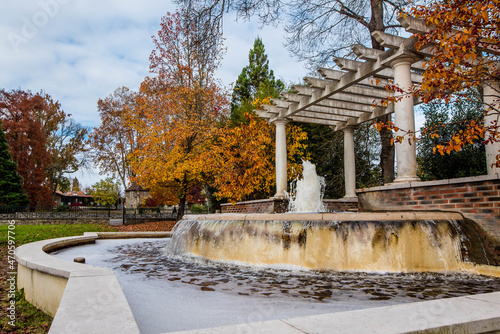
29 233
28 318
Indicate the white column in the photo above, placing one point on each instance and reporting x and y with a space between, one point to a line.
281 158
406 154
491 97
349 163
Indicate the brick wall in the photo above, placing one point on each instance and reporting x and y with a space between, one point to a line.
477 198
258 206
341 205
279 206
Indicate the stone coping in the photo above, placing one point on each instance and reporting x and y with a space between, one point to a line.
264 200
341 200
348 200
337 217
93 302
416 184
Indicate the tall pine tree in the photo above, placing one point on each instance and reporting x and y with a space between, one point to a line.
11 183
255 81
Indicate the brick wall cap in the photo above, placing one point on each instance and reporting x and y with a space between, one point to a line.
335 217
265 200
418 184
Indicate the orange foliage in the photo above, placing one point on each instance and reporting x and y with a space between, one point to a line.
465 43
177 112
243 158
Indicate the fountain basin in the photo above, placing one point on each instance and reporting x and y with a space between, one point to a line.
93 302
82 298
372 242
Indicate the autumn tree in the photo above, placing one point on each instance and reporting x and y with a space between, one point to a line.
178 109
105 192
318 31
65 142
114 140
242 154
11 183
242 159
27 142
464 41
461 42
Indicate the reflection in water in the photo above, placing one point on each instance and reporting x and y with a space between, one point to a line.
149 259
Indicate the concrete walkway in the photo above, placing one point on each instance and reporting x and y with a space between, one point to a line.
470 314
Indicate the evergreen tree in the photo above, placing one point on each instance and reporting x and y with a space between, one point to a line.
446 119
11 183
76 185
256 80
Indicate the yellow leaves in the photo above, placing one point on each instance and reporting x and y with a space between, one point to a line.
259 102
242 158
484 14
461 29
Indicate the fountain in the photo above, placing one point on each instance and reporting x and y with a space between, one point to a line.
253 269
306 237
307 193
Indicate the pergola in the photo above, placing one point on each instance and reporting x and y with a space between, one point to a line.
346 98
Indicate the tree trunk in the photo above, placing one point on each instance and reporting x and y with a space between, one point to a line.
387 152
182 195
182 205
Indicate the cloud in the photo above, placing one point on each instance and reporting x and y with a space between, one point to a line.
80 51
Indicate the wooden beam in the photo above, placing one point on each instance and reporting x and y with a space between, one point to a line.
344 96
366 53
352 65
378 112
327 116
281 103
356 90
339 100
413 25
388 40
347 80
300 119
371 54
333 75
332 111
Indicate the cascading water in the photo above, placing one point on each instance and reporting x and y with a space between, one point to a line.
388 246
312 239
307 193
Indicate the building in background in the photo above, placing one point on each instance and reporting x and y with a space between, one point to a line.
134 195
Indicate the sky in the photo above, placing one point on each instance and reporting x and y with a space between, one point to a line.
80 51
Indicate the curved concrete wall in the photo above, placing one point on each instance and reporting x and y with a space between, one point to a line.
88 299
82 298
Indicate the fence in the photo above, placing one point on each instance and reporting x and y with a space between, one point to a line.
44 213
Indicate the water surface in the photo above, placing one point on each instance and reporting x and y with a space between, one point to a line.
170 293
